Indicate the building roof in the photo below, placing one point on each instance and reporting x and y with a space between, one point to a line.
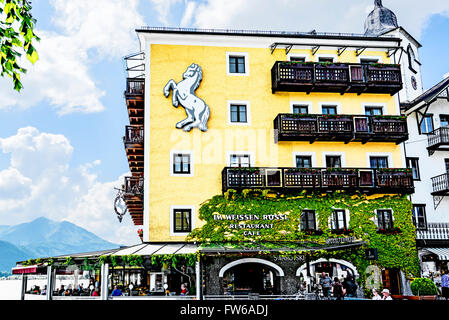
428 96
380 20
264 33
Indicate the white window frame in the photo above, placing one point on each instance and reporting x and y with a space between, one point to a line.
238 54
172 227
252 159
376 222
334 153
326 55
302 103
248 112
379 58
304 154
192 163
388 155
330 103
374 104
347 217
298 55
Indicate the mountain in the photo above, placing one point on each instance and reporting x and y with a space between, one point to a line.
9 255
43 238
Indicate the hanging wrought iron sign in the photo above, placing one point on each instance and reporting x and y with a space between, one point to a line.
184 94
120 207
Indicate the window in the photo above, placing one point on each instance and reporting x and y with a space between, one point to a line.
325 59
368 60
413 163
378 162
373 111
385 219
303 162
444 120
338 220
181 163
237 64
240 160
426 124
419 216
182 220
329 110
446 162
238 113
297 109
299 59
308 221
333 161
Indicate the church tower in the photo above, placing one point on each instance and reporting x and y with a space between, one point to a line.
383 22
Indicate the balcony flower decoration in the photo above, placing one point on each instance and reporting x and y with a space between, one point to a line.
341 170
384 65
390 117
336 116
248 170
313 232
394 230
140 234
343 231
302 170
406 171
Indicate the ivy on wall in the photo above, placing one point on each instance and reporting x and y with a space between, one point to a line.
394 250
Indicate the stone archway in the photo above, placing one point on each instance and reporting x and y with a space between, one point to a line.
251 275
341 262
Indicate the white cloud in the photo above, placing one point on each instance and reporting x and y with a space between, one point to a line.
188 14
89 32
41 182
301 15
164 9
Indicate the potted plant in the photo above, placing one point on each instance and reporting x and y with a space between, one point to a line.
140 233
424 287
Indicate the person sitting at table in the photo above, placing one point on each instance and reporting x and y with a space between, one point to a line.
116 292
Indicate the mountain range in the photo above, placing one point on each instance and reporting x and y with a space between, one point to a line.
43 238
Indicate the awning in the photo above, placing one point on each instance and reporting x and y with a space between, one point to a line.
34 269
442 253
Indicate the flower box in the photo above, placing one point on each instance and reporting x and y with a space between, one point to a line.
394 230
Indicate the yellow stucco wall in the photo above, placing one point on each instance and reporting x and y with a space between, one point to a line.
210 148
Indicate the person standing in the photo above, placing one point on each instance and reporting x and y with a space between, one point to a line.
116 292
326 283
445 285
337 288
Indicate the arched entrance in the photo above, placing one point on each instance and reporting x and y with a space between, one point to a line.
246 276
332 267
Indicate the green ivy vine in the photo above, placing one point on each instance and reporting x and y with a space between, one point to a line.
394 250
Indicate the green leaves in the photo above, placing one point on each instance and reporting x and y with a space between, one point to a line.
16 12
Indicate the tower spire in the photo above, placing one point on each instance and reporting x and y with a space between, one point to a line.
378 3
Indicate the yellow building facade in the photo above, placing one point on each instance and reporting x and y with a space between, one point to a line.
168 55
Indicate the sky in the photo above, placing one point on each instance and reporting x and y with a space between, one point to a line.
61 148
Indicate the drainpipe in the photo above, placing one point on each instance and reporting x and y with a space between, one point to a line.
198 280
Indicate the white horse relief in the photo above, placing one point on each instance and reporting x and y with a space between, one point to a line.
184 94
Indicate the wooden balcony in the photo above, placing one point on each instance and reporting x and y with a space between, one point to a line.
438 140
346 128
133 189
134 147
335 77
135 97
364 180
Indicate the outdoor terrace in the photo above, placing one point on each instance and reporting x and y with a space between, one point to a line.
336 77
364 180
347 128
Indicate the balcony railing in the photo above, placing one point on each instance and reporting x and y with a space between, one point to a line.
133 186
135 87
313 127
440 184
335 77
133 135
361 179
434 231
438 140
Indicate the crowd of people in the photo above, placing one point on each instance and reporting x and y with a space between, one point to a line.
346 288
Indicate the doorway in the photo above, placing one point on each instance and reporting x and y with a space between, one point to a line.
251 278
390 280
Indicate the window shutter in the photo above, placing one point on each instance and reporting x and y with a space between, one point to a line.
347 213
